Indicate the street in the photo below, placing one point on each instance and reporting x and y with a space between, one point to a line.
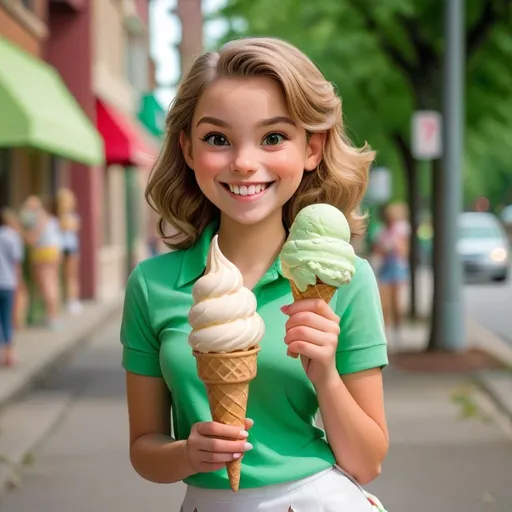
489 304
437 461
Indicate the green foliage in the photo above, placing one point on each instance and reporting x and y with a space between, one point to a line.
386 59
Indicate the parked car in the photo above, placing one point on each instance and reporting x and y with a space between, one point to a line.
483 247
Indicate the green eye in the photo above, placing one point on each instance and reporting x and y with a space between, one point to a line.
216 139
273 139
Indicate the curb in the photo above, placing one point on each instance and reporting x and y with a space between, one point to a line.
38 371
490 342
496 384
498 387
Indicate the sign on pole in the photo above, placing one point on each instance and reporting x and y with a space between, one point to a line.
426 135
380 186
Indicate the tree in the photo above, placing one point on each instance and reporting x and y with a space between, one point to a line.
386 60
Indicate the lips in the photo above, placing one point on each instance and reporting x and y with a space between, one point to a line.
250 189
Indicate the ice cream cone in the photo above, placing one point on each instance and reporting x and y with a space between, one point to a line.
317 291
226 377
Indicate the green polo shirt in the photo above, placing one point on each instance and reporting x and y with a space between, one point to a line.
282 401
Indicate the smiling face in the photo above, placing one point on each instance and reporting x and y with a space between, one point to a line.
247 153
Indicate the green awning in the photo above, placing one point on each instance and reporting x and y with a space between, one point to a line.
152 115
38 111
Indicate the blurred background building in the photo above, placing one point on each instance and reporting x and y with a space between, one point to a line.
190 16
78 109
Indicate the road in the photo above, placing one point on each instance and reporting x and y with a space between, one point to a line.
490 304
437 462
487 303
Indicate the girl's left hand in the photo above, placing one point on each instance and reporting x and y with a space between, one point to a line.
312 332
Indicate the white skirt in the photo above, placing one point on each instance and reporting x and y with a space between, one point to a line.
331 490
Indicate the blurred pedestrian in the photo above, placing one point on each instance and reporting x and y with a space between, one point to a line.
392 247
43 236
70 227
12 220
11 256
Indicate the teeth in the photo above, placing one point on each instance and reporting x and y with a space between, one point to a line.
251 190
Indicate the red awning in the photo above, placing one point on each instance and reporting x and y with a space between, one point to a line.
125 142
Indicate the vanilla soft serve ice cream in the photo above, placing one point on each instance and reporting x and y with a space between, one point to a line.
223 317
225 336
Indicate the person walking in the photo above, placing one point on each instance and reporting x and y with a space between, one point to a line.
70 228
392 246
43 236
11 256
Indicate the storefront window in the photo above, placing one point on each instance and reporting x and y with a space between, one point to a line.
5 183
54 178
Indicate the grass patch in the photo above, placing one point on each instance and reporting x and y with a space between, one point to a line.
468 408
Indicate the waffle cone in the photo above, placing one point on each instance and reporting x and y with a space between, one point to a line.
226 378
319 290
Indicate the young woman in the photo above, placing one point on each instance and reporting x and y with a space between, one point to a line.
11 219
11 255
70 228
254 135
43 236
392 245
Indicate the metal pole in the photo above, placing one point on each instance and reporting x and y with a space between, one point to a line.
451 324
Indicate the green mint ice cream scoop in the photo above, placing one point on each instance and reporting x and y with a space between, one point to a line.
318 248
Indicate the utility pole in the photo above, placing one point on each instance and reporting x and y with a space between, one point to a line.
448 312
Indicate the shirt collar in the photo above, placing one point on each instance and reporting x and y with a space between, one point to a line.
196 257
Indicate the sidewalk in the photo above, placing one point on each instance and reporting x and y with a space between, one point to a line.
496 383
451 434
450 450
39 350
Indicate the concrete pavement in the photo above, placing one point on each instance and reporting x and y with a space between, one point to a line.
449 449
488 328
39 349
83 463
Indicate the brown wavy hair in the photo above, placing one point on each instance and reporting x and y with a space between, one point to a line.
340 179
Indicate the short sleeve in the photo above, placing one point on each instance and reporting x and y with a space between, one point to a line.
362 342
141 348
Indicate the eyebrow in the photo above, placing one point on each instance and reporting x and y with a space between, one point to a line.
264 122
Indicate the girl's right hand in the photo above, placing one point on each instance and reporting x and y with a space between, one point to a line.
211 444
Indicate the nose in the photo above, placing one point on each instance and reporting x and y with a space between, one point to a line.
244 162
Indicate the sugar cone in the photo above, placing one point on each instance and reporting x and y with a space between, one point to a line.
227 377
319 290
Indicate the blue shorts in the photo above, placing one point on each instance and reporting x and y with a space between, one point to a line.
393 272
6 309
